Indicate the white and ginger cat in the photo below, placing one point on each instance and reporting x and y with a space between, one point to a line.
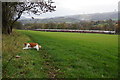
32 45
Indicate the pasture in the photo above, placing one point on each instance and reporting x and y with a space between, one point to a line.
63 55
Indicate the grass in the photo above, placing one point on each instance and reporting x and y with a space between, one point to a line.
29 65
64 55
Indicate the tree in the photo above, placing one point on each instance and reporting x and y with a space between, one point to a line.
12 11
18 25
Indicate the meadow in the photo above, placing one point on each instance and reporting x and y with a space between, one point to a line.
63 55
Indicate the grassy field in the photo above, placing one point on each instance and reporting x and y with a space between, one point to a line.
63 55
29 65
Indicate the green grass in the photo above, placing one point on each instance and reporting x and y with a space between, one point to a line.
80 55
29 65
72 55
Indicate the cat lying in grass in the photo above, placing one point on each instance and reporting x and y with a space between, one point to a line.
32 45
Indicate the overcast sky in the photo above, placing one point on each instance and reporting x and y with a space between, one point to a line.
73 7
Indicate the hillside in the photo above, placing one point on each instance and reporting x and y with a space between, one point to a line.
96 16
74 18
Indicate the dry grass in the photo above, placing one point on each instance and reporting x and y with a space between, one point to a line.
11 46
13 42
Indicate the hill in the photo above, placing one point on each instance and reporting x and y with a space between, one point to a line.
74 18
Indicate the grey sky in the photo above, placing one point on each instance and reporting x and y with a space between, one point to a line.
72 7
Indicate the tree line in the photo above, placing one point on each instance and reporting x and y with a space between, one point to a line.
107 25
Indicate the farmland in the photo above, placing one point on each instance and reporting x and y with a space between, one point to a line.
64 55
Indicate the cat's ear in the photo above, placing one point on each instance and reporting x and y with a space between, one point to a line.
25 43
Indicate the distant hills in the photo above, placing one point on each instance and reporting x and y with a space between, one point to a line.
74 18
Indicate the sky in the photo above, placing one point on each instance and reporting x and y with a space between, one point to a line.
74 7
